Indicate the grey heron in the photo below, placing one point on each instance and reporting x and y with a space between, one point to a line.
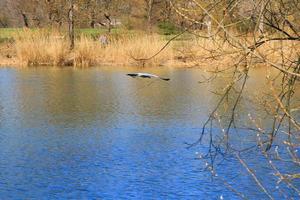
146 75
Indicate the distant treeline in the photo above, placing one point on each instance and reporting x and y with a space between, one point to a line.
168 15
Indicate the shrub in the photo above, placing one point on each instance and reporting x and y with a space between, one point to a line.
167 28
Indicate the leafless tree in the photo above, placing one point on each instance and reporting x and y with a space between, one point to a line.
71 23
271 39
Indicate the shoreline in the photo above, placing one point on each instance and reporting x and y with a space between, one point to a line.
14 63
9 58
47 48
44 48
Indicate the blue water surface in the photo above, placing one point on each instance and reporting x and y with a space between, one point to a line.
98 134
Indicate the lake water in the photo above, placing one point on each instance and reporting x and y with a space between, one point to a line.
99 134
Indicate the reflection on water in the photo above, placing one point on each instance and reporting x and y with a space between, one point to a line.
98 134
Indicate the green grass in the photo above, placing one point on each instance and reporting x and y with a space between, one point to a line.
90 32
95 33
9 32
6 34
183 37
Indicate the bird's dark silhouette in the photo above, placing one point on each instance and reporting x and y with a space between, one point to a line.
146 75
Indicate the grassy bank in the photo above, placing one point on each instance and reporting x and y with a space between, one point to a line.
45 47
36 47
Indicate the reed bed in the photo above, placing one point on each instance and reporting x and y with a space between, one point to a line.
41 47
50 47
136 50
86 52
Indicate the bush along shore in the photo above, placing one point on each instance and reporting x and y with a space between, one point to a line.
46 47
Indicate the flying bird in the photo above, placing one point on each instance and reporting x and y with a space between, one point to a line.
146 75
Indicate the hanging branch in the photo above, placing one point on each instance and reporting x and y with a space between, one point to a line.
71 24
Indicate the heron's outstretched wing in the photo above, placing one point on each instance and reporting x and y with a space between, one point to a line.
146 75
132 75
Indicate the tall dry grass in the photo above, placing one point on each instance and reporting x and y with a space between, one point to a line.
203 52
41 47
219 53
132 50
86 52
50 47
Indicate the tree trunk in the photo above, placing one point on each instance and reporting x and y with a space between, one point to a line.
168 10
71 23
261 20
208 24
107 16
25 19
149 14
93 21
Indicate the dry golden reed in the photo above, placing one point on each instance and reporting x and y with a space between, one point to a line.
41 47
86 52
131 50
50 47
